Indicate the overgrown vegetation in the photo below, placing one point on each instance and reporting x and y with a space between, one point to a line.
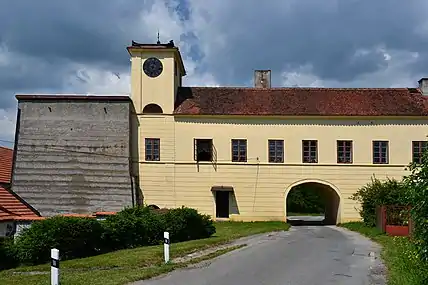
82 237
407 258
400 256
305 199
377 193
128 265
417 184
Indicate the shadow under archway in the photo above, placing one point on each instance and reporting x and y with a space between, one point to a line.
328 204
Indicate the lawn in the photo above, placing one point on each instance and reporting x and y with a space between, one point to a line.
121 267
404 268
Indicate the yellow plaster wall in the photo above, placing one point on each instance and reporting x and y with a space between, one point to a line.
260 188
160 90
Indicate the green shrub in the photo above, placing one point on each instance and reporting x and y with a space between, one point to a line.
74 237
7 253
377 193
187 224
417 182
133 227
82 237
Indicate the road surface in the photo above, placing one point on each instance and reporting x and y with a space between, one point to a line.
306 255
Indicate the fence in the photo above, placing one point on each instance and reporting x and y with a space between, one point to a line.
394 220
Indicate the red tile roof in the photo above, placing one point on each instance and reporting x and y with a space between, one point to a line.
11 208
6 158
301 101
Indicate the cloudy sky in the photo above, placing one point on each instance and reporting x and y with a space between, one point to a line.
51 46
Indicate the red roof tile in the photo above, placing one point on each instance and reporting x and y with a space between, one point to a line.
11 208
301 101
6 158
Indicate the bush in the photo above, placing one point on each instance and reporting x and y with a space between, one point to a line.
187 224
417 182
82 237
133 227
377 193
7 253
74 237
142 226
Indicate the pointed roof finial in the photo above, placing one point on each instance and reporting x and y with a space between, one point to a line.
158 42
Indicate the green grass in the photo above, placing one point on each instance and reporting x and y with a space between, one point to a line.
121 267
399 254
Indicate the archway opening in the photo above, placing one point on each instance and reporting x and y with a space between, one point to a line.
152 109
313 203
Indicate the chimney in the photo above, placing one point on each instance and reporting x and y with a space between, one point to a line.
262 79
423 85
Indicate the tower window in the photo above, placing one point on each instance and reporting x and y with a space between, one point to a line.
152 109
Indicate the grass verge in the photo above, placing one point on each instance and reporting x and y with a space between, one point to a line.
399 255
121 267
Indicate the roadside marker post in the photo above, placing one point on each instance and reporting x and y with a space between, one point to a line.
166 243
54 266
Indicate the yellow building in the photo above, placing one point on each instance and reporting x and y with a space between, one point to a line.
235 153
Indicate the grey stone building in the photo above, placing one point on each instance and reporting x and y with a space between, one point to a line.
73 154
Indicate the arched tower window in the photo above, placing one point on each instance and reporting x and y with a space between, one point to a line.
152 109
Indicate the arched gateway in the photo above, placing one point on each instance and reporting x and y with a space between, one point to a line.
330 193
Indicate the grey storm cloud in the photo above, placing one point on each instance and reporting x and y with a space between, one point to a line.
46 36
324 34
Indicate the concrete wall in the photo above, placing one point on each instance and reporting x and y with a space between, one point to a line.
73 156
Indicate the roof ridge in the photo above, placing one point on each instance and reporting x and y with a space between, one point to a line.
303 87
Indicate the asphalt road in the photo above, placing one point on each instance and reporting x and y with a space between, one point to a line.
306 255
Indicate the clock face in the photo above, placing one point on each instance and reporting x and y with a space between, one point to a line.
152 67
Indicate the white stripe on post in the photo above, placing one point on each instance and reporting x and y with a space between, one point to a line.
166 243
54 266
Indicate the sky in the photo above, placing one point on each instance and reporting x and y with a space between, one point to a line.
79 46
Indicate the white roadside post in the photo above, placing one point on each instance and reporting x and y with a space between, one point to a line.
166 243
54 266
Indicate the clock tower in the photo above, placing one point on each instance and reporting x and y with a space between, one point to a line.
156 73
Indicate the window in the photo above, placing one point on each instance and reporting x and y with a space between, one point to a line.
152 109
380 152
419 147
152 149
276 151
239 150
344 151
310 151
203 149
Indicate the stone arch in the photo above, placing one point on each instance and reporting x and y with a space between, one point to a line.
152 109
333 196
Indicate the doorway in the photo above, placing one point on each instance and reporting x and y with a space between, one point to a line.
222 204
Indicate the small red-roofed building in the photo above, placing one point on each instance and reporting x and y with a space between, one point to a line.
15 213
